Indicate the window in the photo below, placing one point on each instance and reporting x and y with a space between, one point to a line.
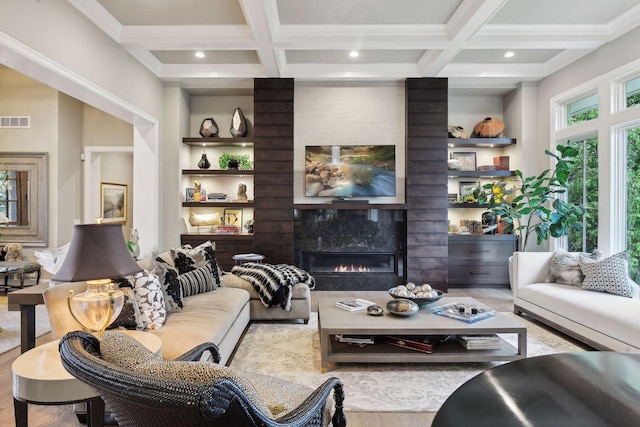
633 202
632 92
582 110
583 190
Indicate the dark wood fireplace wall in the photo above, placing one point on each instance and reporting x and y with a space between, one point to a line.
426 191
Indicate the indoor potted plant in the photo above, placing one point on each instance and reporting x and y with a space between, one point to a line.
535 207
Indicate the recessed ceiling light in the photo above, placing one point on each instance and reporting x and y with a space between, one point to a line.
354 54
509 54
199 54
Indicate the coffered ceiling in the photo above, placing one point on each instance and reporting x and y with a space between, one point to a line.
464 40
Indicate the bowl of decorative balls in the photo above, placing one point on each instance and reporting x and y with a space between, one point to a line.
420 294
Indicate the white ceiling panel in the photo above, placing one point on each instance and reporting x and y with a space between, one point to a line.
308 40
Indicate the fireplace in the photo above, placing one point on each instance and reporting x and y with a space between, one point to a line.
351 249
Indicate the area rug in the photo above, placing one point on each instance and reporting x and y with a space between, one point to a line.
292 352
10 324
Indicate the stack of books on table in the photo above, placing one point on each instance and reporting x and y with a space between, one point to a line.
424 344
480 342
228 229
357 340
354 304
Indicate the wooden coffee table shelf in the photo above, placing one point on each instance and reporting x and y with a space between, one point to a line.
333 320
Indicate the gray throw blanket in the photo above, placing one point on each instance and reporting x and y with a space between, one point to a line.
274 283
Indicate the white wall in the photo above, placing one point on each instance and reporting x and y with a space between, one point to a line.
352 113
53 43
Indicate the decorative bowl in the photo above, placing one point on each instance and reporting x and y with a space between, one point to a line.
420 301
402 307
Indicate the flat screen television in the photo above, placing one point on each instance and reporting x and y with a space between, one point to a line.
344 171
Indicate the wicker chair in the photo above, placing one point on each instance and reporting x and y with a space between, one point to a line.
145 400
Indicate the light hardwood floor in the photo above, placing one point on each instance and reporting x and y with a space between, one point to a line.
57 416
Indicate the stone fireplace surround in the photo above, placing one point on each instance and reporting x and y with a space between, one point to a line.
367 246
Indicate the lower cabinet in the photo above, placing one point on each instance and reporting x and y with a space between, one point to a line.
226 245
480 260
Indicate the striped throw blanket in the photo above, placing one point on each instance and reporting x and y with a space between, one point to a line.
274 283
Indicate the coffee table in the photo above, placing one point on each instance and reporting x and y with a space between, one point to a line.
333 320
18 268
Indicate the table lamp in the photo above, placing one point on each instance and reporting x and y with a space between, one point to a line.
98 253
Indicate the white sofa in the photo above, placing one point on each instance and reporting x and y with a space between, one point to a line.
602 320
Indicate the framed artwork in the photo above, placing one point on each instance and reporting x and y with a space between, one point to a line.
233 217
467 187
113 202
188 194
468 160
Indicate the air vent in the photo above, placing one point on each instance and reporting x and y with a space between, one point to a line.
15 122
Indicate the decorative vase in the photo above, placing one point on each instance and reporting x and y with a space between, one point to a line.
238 123
233 163
204 163
97 307
209 128
490 127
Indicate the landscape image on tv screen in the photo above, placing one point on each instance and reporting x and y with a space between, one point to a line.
342 171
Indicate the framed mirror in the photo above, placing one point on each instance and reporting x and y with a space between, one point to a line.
23 198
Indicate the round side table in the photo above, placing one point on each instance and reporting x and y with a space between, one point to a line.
242 258
39 378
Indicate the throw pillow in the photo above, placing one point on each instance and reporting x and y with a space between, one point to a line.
150 298
197 281
608 275
129 317
170 285
565 266
187 259
126 352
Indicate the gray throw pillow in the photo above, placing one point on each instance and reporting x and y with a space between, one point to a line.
565 266
608 275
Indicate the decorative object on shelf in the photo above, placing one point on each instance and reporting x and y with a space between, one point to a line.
113 202
235 161
468 190
490 127
197 187
466 159
203 220
457 132
209 128
248 225
501 163
132 243
453 164
97 254
204 163
528 212
242 194
13 252
420 294
489 223
238 124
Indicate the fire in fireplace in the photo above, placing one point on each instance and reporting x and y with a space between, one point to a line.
350 263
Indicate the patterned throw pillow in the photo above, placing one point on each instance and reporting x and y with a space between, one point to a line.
127 353
188 259
197 281
565 266
150 299
129 317
608 275
170 285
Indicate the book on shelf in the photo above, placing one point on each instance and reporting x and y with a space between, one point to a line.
468 313
422 343
359 340
355 304
228 229
480 342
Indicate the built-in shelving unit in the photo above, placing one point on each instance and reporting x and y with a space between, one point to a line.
481 142
350 205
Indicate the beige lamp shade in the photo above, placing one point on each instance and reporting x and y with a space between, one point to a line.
97 251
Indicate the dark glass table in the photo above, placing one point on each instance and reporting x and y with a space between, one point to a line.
18 268
586 389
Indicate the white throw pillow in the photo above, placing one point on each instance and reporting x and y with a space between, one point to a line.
150 298
608 275
565 266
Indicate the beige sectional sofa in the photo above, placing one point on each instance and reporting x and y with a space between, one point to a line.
602 320
219 316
